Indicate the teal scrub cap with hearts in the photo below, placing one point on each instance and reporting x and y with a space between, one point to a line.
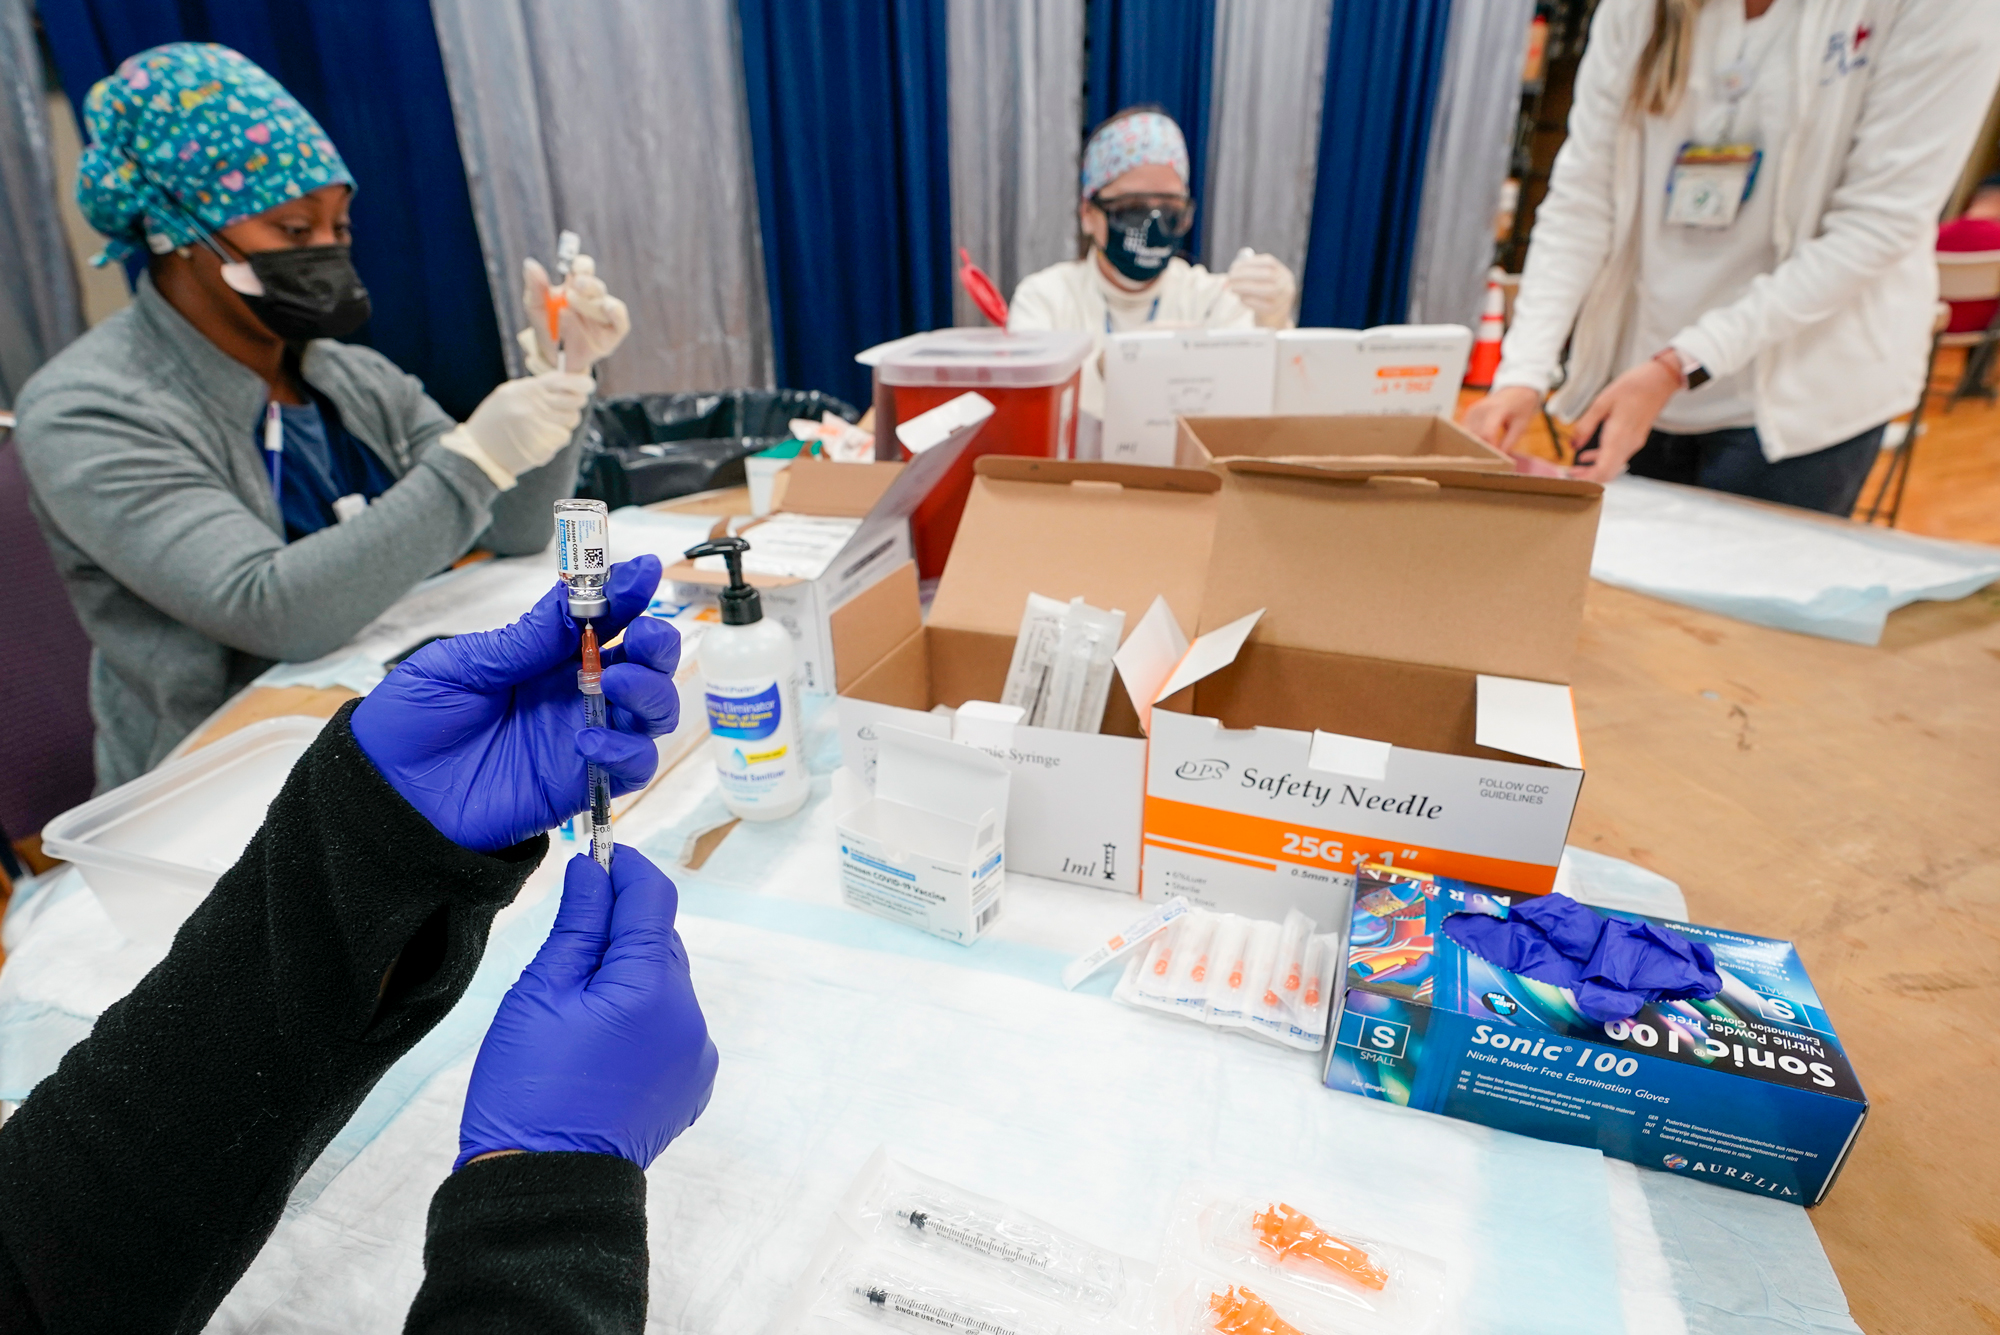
196 131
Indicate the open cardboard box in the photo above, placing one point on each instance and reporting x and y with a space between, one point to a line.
1116 535
1365 444
882 496
1382 676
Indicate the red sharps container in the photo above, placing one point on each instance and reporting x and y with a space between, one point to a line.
1031 379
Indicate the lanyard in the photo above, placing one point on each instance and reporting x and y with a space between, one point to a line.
274 449
1739 76
1151 311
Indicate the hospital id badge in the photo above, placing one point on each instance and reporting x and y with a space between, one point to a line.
1710 182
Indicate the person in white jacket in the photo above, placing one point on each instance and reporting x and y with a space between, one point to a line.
1135 212
1737 239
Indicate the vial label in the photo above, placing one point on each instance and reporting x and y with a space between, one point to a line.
581 544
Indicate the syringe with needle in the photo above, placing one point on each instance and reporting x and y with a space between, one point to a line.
583 559
568 246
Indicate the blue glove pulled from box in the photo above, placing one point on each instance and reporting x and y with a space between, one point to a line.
1612 966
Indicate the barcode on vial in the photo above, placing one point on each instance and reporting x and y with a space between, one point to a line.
986 915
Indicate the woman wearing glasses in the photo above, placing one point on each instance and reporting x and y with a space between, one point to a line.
1135 212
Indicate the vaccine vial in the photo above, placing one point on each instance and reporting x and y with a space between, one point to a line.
583 555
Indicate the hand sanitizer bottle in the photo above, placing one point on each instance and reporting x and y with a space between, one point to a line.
753 702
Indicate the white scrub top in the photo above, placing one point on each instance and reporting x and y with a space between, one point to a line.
1076 295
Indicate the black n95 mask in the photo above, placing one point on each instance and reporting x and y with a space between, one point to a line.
302 293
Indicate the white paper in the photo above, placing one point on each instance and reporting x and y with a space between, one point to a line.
928 430
1759 564
986 725
1355 757
1211 653
1148 657
1529 718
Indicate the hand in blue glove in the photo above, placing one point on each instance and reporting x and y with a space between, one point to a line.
601 1045
484 733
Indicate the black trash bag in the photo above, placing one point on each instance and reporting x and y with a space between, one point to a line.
641 448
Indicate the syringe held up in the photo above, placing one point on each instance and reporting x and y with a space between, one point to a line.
590 681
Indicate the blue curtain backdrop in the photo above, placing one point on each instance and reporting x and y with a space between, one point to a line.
1155 51
1383 59
370 71
850 135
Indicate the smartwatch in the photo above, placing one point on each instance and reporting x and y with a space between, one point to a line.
1693 374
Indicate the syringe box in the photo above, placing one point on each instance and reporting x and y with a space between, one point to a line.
1115 535
879 498
1749 1090
926 847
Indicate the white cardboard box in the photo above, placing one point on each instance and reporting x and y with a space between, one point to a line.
1114 535
1152 376
926 847
1409 368
881 496
1381 677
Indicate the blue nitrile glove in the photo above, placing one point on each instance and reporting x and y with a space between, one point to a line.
1612 966
600 1046
484 733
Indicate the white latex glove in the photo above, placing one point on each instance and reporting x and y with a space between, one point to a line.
1265 285
594 322
521 425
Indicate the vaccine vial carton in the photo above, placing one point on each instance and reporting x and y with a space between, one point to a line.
926 848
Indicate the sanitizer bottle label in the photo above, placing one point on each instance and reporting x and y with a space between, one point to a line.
750 717
752 736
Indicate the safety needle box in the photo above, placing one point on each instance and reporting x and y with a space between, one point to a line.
1381 675
1117 536
1749 1089
926 847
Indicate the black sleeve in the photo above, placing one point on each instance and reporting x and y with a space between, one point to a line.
138 1181
536 1244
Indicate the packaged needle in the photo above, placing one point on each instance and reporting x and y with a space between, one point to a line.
1061 671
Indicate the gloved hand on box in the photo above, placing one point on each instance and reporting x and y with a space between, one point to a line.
1612 966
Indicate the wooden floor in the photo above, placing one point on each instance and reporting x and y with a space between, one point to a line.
1954 484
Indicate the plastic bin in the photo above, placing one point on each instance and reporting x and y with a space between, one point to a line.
152 849
1031 379
641 448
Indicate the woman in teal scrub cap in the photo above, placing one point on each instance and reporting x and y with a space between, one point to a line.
223 484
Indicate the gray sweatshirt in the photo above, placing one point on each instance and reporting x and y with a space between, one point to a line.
140 441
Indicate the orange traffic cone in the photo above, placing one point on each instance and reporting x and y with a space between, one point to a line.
1486 348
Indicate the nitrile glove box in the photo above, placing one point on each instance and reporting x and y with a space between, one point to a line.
1749 1089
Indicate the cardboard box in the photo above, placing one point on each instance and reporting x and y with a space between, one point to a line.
1117 536
925 847
881 496
1152 376
1369 444
1406 368
1749 1090
1381 677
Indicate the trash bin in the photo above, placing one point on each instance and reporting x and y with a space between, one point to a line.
641 448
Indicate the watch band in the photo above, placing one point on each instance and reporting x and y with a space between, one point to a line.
1693 374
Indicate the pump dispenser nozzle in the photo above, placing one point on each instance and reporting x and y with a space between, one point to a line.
741 605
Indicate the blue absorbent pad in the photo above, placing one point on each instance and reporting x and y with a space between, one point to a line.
1747 1089
1793 571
